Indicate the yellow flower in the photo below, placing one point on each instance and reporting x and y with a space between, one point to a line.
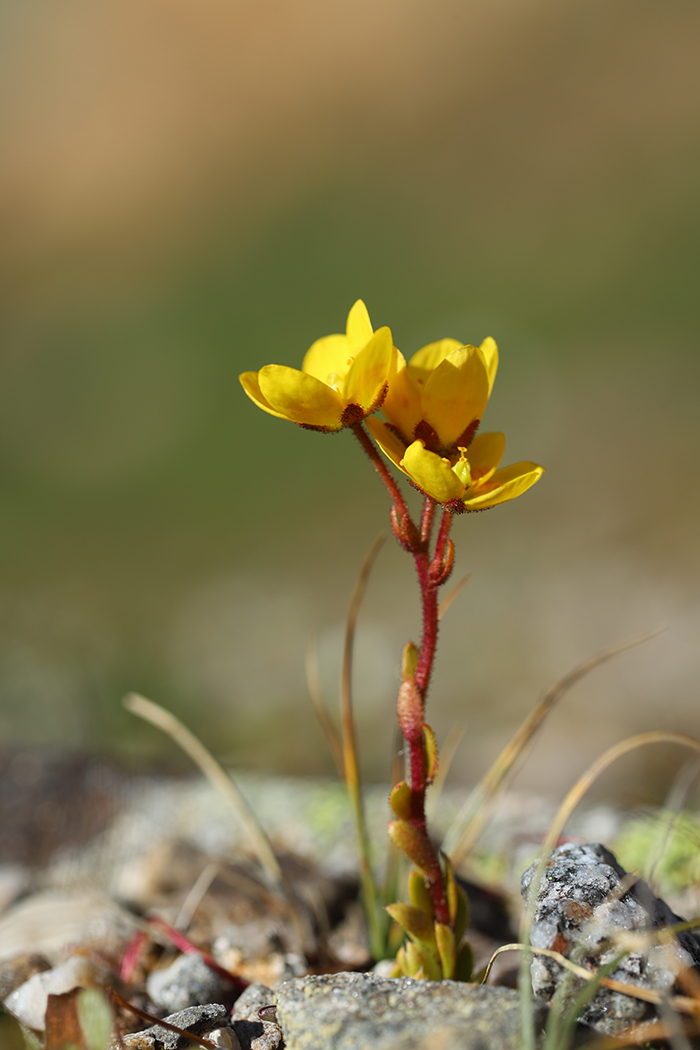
343 378
433 408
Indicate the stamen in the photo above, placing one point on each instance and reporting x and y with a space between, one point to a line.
462 468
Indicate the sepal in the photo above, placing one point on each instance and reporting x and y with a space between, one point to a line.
400 800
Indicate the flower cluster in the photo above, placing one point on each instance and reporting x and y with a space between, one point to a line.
432 407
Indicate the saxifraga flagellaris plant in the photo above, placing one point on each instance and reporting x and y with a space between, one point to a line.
432 408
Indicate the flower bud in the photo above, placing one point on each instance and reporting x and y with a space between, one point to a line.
410 710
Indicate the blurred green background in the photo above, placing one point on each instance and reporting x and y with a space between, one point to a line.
188 191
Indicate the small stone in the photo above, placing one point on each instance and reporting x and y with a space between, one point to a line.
199 1020
249 1002
354 1011
224 1037
258 1035
186 982
255 1030
28 1002
585 904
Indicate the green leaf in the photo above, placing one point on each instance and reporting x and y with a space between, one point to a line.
462 917
422 963
414 844
419 893
409 662
446 949
431 753
415 922
400 800
464 963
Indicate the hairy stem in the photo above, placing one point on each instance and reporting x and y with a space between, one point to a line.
381 469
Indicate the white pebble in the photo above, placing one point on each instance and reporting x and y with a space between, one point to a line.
224 1037
28 1002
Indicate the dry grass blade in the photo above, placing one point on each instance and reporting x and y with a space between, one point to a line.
454 738
351 765
585 781
637 1035
145 1016
471 819
313 684
215 774
195 897
676 1035
449 598
682 1003
347 718
670 816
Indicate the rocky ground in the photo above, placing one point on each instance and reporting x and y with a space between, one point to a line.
112 881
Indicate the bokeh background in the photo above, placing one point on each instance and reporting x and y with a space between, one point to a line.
190 190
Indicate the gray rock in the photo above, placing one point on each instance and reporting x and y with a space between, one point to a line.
254 998
357 1011
585 906
186 982
197 1019
253 1031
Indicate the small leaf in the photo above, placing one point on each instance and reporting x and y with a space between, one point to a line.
431 753
414 844
400 800
415 922
95 1015
409 662
462 917
422 962
446 949
451 889
419 893
464 964
402 962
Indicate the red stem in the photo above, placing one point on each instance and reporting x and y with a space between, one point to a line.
381 469
428 571
441 545
426 525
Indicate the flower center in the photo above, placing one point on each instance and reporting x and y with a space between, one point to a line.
462 468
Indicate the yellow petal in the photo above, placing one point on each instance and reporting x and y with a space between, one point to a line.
300 397
432 474
485 453
392 446
328 357
359 327
426 360
402 405
368 372
249 382
490 352
456 393
504 485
